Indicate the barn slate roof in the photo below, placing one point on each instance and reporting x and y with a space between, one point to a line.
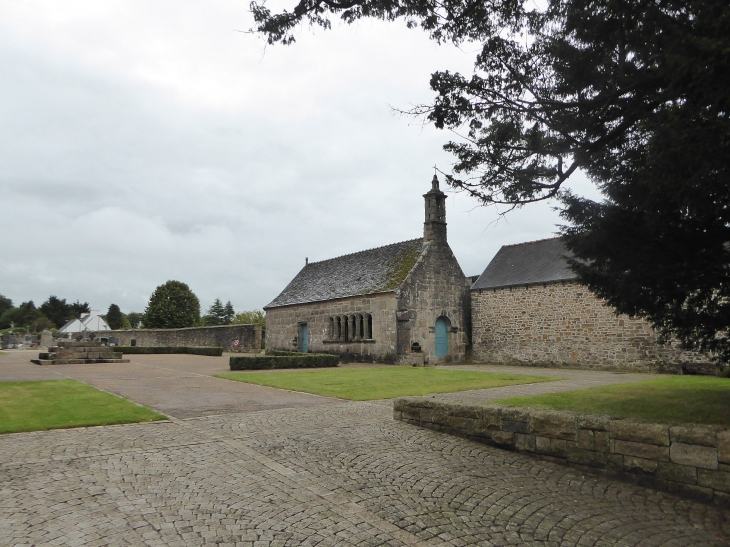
527 263
374 270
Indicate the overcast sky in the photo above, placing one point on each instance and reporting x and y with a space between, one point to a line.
146 141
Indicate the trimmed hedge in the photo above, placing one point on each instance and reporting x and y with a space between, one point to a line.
301 360
212 351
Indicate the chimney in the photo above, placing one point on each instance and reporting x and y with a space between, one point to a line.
434 228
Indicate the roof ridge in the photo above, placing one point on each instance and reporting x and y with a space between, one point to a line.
366 250
533 241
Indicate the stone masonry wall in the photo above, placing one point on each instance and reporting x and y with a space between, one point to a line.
563 324
248 336
283 327
435 287
688 459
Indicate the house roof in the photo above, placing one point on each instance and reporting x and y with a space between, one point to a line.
527 263
372 271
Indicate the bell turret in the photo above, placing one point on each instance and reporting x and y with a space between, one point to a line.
434 228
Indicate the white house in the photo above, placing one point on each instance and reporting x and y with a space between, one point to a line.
92 321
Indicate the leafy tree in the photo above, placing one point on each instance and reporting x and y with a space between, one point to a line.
634 93
43 323
126 325
228 313
114 317
134 319
5 304
172 305
25 315
252 317
57 310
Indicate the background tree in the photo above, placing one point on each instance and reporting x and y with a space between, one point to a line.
172 305
126 325
634 93
228 313
26 315
5 304
215 315
114 317
43 323
134 319
80 309
57 310
252 317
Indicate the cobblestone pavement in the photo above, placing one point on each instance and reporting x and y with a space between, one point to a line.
315 471
337 474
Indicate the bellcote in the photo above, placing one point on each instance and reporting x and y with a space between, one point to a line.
434 227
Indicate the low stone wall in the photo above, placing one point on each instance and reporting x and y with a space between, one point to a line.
248 336
688 459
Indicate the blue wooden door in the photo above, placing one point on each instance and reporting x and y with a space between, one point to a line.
305 339
442 337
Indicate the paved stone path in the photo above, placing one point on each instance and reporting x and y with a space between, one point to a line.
336 473
179 386
572 380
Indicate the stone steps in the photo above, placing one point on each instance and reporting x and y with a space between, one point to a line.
78 353
76 361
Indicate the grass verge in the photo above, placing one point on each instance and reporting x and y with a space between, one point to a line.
52 404
688 399
366 384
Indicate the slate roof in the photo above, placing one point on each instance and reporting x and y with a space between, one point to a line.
527 263
375 270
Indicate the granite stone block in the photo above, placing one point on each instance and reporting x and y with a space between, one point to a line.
677 473
642 450
703 435
690 454
718 480
640 432
556 425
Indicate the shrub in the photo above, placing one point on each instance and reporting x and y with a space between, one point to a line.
300 360
212 351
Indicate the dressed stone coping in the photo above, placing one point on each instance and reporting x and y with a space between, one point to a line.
688 459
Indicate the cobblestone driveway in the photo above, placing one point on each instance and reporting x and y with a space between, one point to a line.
335 474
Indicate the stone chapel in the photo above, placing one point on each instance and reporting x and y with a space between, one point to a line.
410 302
404 302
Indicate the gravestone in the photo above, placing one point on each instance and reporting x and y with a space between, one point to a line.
46 339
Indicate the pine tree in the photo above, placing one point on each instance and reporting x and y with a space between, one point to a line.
228 313
114 317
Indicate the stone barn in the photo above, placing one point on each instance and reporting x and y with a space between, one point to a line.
527 308
407 302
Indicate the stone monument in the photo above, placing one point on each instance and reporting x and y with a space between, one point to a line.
76 353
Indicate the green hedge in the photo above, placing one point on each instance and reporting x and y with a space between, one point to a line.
301 360
213 351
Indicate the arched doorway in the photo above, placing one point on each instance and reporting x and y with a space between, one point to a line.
442 337
305 338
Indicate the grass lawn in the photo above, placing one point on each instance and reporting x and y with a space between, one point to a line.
51 404
689 399
366 384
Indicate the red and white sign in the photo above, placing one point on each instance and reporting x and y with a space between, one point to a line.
235 343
